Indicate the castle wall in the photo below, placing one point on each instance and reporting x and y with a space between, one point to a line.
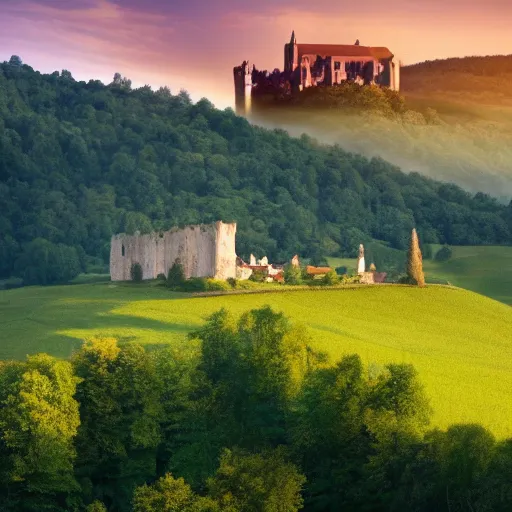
206 250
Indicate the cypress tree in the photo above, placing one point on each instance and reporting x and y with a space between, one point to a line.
415 261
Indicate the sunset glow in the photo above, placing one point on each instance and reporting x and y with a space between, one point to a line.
195 44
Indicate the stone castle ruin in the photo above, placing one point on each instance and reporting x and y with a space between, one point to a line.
205 250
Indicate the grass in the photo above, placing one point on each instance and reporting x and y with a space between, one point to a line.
486 270
482 269
459 341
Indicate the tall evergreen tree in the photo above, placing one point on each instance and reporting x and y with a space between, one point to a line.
415 261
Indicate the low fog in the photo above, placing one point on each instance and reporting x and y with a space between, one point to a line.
476 154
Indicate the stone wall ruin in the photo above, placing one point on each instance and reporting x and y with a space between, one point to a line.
204 250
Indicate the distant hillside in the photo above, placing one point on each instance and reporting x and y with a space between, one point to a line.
471 79
81 161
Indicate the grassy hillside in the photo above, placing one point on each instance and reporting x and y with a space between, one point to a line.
486 270
459 341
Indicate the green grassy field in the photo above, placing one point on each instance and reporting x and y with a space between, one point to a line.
460 342
482 269
486 270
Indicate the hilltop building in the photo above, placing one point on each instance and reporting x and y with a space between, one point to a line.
311 65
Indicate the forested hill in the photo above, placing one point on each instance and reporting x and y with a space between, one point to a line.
485 78
81 161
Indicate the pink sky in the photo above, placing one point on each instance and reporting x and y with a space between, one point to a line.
194 44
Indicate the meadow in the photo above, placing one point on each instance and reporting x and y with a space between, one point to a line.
482 269
460 342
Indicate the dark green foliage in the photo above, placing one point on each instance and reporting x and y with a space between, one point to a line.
443 254
341 270
253 482
136 273
250 419
176 275
118 159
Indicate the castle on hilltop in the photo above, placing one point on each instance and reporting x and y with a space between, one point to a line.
310 65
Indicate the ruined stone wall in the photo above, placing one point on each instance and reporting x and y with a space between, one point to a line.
206 250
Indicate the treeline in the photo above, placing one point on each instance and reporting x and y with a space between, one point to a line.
482 79
347 96
244 417
82 161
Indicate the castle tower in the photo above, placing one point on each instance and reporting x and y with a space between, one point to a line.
291 54
395 74
243 88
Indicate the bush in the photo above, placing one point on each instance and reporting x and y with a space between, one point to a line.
341 270
12 282
217 285
258 276
246 284
176 275
444 254
331 278
161 277
194 284
136 273
346 279
292 274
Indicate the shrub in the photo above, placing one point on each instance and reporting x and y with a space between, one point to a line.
246 284
194 284
444 254
341 270
176 275
292 274
136 273
346 279
232 282
12 282
258 276
331 278
161 277
217 285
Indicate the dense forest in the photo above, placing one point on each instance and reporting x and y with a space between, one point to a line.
243 417
81 161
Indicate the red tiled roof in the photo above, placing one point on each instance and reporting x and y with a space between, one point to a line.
381 52
344 50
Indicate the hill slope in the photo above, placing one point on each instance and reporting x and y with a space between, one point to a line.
485 269
119 160
459 341
477 79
